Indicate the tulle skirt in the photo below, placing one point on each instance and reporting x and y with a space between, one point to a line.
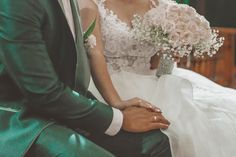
202 113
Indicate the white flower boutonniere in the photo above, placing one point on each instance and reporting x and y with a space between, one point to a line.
91 41
89 38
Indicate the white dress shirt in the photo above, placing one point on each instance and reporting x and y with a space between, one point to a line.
117 120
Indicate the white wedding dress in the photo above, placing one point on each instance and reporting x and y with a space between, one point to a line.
202 113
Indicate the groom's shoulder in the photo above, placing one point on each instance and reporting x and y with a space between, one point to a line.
19 3
16 6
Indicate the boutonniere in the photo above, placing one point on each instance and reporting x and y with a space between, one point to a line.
89 38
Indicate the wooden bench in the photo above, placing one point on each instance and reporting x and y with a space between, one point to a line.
222 67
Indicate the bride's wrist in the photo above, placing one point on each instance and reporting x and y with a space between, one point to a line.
118 104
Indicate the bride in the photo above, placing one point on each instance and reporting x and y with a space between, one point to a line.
202 113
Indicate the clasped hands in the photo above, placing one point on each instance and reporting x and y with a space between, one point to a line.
141 116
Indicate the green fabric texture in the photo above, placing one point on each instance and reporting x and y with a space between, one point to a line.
64 142
44 75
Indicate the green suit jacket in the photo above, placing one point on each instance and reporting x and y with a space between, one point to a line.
44 75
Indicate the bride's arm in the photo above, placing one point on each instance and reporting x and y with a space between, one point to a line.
99 71
100 75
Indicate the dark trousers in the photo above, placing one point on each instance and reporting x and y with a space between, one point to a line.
124 144
58 141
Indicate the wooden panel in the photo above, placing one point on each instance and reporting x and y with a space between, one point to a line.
220 68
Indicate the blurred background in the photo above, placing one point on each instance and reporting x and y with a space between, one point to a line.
222 67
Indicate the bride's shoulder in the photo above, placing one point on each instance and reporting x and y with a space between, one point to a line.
88 4
88 10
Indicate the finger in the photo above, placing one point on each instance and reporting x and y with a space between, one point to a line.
135 102
131 103
163 119
149 107
142 103
145 104
155 119
158 118
139 103
154 108
153 126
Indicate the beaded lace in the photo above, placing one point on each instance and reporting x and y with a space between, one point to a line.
121 51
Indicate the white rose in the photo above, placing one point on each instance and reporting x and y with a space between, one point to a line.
184 19
174 8
173 12
174 38
197 20
163 4
181 26
195 38
206 36
186 37
187 11
191 26
168 26
155 15
205 24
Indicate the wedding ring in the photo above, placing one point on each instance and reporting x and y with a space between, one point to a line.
155 118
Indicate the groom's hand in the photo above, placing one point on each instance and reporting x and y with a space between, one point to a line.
138 119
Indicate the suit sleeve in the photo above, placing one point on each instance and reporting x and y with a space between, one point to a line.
25 56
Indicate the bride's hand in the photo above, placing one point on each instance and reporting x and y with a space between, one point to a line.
176 57
138 103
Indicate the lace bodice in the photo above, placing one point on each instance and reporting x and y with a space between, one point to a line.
121 52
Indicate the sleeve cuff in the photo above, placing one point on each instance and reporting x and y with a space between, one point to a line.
116 123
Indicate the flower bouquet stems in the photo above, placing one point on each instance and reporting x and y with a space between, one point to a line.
165 67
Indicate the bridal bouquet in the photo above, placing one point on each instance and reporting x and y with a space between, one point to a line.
171 27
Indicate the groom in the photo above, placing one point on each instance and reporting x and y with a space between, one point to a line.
44 103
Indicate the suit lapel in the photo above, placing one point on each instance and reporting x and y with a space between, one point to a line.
82 72
62 8
75 16
72 28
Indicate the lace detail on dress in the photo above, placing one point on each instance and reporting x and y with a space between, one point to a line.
120 50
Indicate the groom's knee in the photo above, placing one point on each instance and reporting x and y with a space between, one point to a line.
156 144
58 141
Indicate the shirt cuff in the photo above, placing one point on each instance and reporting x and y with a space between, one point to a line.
116 123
